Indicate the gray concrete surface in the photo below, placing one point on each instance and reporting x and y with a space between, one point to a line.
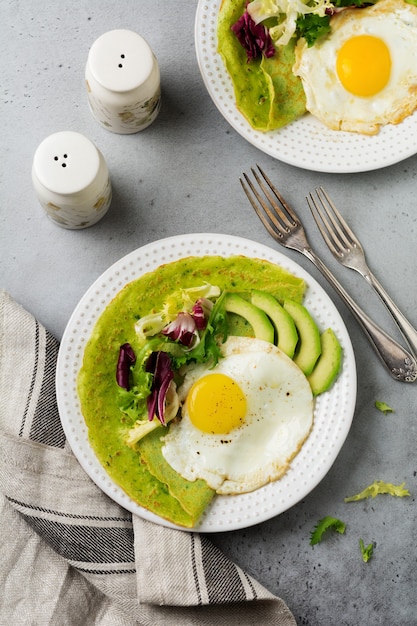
181 176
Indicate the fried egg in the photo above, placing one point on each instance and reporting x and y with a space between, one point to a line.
364 73
242 421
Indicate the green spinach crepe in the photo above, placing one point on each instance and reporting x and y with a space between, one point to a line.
142 472
267 92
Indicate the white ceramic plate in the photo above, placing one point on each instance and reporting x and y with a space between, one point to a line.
333 410
305 143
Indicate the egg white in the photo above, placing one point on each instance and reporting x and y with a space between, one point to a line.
395 23
278 420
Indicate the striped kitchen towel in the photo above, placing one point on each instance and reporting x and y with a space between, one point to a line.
70 555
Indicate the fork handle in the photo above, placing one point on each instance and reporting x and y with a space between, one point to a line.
408 331
399 362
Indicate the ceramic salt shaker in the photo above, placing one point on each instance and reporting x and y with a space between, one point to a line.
123 82
71 180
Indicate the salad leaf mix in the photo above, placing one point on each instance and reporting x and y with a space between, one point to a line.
329 522
267 24
169 339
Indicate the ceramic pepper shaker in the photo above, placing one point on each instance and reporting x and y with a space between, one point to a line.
123 82
71 180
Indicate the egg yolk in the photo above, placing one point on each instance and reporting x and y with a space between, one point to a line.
216 404
364 65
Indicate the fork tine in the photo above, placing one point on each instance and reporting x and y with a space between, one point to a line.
345 233
274 232
293 221
323 225
273 216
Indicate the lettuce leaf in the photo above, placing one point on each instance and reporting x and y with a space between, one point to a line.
383 407
379 487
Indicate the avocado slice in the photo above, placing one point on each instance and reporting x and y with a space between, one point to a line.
287 336
328 365
309 343
259 321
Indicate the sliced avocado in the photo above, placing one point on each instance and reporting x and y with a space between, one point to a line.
328 365
309 344
287 336
259 321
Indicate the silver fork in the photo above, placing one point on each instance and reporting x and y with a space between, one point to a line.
347 249
285 227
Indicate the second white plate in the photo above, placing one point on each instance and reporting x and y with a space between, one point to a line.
305 143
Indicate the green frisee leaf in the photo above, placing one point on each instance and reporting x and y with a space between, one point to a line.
367 551
323 525
379 487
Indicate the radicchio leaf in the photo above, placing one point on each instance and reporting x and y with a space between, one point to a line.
183 329
125 361
159 364
253 37
201 312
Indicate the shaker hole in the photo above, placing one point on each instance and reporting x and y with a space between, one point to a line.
64 165
122 56
120 65
55 158
65 156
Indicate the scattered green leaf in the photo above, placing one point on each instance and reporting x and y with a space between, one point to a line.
379 487
383 407
367 551
323 525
